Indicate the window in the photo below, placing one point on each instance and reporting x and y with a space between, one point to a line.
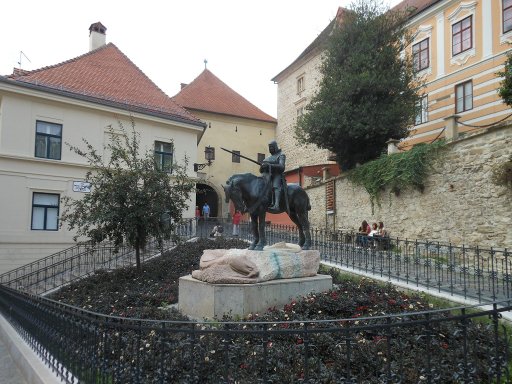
420 55
48 140
421 111
507 15
45 211
261 157
300 112
235 157
462 35
300 84
163 156
464 97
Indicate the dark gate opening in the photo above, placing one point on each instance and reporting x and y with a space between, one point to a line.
206 194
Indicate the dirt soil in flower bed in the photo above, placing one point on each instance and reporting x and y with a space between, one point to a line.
147 295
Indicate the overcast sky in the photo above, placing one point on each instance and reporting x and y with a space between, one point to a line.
246 43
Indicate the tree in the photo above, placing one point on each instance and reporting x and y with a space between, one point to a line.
368 93
131 199
505 90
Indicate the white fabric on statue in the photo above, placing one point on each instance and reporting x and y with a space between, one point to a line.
243 266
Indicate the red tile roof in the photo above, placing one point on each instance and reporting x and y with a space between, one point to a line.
106 75
209 94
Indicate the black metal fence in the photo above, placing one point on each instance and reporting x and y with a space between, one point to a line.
81 260
471 272
434 347
424 347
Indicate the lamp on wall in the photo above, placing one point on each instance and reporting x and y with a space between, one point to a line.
209 155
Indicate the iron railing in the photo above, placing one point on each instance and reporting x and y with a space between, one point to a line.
482 274
93 348
439 346
81 260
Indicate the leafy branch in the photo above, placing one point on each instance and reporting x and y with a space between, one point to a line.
396 171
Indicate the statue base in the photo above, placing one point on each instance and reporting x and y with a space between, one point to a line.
202 300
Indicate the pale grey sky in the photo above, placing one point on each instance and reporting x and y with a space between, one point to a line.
246 43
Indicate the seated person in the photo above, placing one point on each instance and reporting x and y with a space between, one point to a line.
382 231
217 231
362 235
375 230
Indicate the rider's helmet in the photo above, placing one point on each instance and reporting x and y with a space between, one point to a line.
273 147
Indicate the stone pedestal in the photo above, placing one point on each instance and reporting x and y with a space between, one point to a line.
198 299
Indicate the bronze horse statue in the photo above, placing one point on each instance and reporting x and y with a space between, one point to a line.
252 194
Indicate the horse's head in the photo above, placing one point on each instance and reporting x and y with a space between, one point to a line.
233 193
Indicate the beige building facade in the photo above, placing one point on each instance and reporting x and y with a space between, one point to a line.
40 112
458 48
233 123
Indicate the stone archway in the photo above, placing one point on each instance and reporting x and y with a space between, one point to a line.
206 194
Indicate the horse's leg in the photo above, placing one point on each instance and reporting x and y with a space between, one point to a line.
298 223
304 223
254 230
261 228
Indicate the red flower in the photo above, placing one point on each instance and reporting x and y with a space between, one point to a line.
244 366
444 345
300 341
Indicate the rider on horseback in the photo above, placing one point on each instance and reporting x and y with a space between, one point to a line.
274 166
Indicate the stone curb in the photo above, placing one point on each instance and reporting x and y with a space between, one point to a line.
30 365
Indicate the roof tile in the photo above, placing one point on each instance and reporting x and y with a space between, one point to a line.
106 74
208 93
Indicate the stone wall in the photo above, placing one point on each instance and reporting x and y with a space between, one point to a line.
460 204
289 101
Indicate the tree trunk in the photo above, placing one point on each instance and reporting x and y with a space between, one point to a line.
137 257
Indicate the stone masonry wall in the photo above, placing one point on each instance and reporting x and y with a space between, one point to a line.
460 204
289 100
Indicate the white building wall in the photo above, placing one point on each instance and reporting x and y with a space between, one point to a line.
22 174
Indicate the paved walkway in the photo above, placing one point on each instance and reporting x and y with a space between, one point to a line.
9 373
19 364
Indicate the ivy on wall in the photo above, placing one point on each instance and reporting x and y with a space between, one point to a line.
502 173
396 172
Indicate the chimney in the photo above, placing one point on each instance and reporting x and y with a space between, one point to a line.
183 85
97 36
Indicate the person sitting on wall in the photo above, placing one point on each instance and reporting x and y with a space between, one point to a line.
362 235
382 230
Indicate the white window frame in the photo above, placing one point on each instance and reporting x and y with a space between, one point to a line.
422 111
462 86
464 10
301 84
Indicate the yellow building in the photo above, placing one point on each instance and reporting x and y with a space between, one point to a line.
459 46
42 110
233 123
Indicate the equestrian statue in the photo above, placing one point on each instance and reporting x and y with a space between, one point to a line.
269 193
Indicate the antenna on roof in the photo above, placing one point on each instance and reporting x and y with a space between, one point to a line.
23 55
205 62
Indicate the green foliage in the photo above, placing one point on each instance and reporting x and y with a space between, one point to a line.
368 93
505 90
502 173
131 200
396 171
